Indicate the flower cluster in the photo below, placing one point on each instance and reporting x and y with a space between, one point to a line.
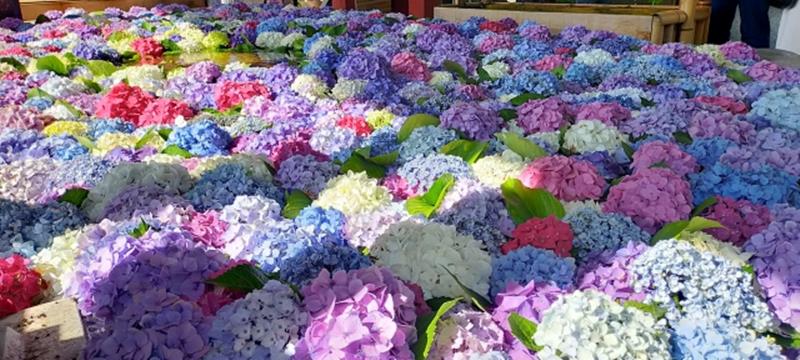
651 198
20 286
529 263
566 178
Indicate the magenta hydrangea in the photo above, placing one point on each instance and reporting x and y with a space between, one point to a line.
608 272
663 154
566 178
472 119
651 198
707 124
542 115
740 219
739 52
611 114
365 313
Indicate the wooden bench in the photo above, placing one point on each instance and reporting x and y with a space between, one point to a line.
686 22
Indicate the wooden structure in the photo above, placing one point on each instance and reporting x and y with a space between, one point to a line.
48 331
33 8
686 22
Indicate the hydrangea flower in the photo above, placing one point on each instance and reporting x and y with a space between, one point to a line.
592 135
220 186
529 263
425 140
420 253
125 102
366 312
597 232
651 198
704 338
688 282
422 172
544 233
267 323
305 173
473 120
20 286
566 178
588 323
609 272
740 219
542 115
763 186
467 334
201 138
656 153
353 193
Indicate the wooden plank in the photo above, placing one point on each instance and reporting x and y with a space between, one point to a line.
582 8
634 25
382 5
49 331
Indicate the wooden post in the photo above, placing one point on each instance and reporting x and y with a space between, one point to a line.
657 31
688 27
422 8
344 4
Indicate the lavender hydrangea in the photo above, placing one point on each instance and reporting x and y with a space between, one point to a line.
421 172
609 272
465 334
305 173
475 121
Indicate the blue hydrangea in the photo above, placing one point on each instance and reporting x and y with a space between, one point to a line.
583 74
529 263
782 107
421 172
764 186
336 142
497 55
15 141
610 166
103 126
202 138
220 186
596 231
26 230
425 140
326 224
274 23
653 68
40 103
527 49
471 27
529 81
309 261
701 339
691 283
707 151
95 50
382 141
61 147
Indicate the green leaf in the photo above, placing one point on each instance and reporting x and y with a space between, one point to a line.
295 202
71 108
309 30
164 133
13 62
648 102
428 203
146 138
456 69
95 87
524 203
149 27
559 71
522 146
523 98
738 76
358 163
698 223
413 122
74 196
170 46
669 231
682 137
41 19
524 330
791 340
140 230
660 164
85 142
628 149
130 57
707 203
176 150
52 63
468 150
748 269
36 92
385 159
483 75
101 68
508 114
335 30
476 299
652 308
426 329
245 277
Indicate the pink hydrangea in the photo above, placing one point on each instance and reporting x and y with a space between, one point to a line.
543 233
741 219
398 187
496 42
207 228
472 91
164 112
410 67
668 154
611 114
542 115
291 147
228 94
551 62
739 51
728 104
356 123
25 118
765 71
566 178
365 313
125 102
706 124
651 198
149 50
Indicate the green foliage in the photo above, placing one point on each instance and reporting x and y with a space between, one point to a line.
427 204
524 203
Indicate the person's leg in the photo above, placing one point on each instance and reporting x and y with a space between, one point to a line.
755 22
722 14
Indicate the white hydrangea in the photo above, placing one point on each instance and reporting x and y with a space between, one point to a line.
412 29
353 193
441 78
57 261
323 43
269 40
420 253
592 135
266 324
163 159
310 86
594 57
347 88
707 243
26 180
60 112
62 87
170 177
251 209
147 77
590 325
550 139
494 170
235 65
573 206
289 39
715 53
497 69
191 37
